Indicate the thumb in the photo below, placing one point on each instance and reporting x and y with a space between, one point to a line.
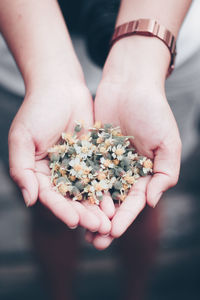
22 163
166 171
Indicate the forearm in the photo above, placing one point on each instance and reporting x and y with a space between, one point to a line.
168 13
38 38
143 57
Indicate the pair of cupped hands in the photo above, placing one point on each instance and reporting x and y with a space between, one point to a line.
131 95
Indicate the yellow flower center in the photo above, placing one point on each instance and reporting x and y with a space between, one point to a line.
102 149
98 187
129 179
122 197
99 140
71 141
116 161
85 180
86 171
107 163
63 172
107 143
72 178
101 176
84 149
78 167
57 167
63 189
79 197
119 151
148 164
62 148
125 186
91 200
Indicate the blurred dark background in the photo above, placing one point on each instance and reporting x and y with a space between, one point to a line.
24 273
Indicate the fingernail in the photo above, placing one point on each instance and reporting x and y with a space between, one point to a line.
73 227
157 199
105 235
26 197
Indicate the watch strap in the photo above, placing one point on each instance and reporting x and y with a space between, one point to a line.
147 27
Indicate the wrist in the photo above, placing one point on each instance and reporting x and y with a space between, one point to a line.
57 91
137 58
53 72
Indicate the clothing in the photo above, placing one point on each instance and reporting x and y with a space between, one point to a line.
188 40
187 45
182 87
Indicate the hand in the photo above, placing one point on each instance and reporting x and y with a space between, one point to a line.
45 113
132 96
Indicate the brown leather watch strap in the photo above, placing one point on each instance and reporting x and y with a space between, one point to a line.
147 27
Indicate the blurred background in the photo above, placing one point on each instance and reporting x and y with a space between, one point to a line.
34 246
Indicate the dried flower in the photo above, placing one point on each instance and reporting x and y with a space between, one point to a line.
86 167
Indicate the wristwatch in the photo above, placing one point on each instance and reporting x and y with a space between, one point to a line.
151 28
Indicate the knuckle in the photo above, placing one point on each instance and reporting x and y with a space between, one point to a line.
13 136
17 135
139 197
173 181
14 174
137 193
116 234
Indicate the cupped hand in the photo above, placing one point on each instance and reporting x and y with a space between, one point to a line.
43 116
132 96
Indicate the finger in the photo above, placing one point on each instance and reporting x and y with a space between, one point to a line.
107 206
42 166
100 242
130 208
166 172
105 224
83 113
22 164
60 207
87 218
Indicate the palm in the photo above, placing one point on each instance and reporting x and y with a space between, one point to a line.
37 126
149 119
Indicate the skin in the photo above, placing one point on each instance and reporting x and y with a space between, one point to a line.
56 97
131 89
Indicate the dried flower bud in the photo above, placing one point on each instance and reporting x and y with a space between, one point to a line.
75 191
100 161
101 176
79 185
148 164
116 161
78 128
97 125
72 178
63 189
118 185
116 196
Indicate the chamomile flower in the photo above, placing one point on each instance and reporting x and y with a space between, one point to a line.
118 151
78 167
132 156
106 163
86 166
147 164
67 137
85 150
